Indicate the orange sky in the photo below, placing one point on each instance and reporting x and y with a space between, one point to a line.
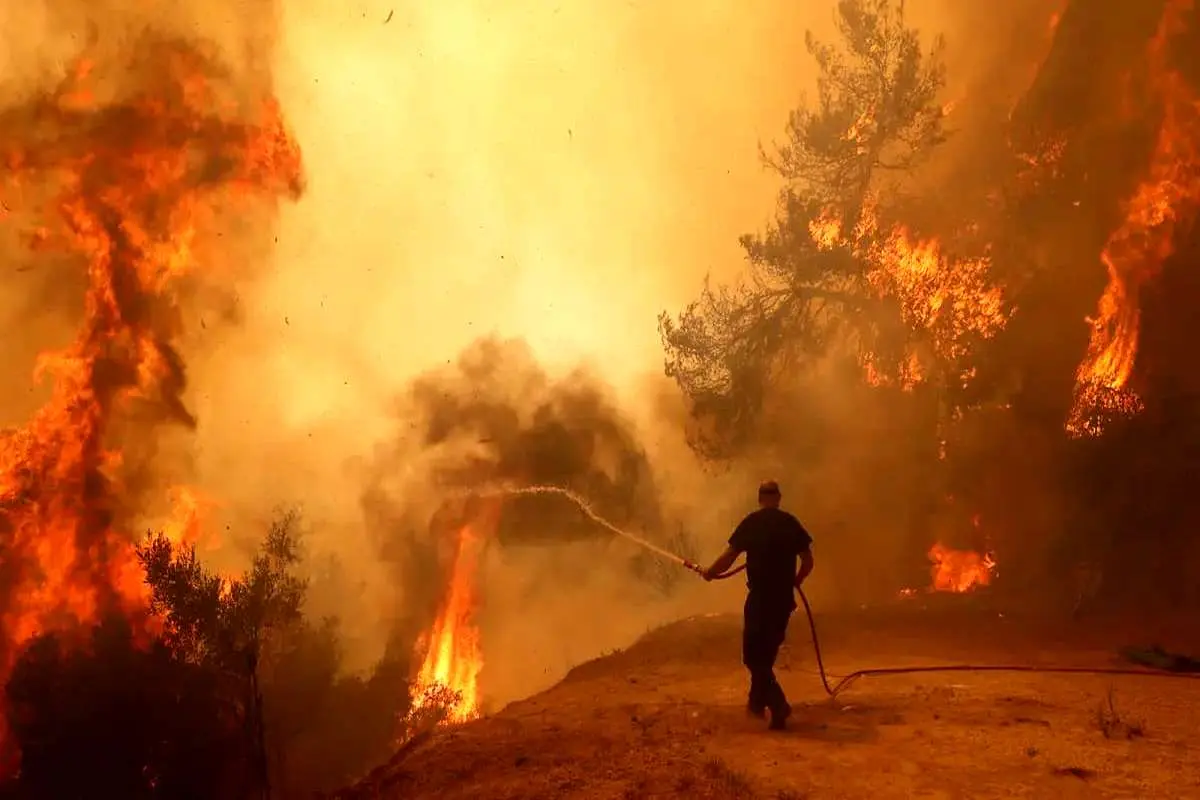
560 174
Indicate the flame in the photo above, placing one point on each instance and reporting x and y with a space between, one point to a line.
959 570
453 659
125 189
950 302
189 510
1134 253
826 230
950 299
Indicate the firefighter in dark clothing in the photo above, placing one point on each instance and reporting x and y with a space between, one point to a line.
773 540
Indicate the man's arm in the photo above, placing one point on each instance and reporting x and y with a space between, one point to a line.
806 566
723 562
804 551
737 546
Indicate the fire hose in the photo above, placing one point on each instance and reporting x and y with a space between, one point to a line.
844 681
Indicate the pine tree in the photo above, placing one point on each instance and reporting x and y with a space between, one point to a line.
827 270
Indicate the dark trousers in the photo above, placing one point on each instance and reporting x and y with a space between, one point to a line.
765 625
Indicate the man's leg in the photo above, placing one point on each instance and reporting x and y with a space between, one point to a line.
775 630
754 655
763 632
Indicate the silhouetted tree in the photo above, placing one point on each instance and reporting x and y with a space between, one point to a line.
307 727
225 625
326 729
812 281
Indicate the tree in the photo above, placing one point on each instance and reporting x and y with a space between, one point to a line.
226 625
830 270
305 726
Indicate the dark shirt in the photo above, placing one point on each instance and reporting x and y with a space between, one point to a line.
772 540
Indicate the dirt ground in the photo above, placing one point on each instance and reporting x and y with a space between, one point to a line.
665 718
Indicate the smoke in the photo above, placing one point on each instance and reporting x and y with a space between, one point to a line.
557 175
496 417
468 176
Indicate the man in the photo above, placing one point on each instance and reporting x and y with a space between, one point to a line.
772 540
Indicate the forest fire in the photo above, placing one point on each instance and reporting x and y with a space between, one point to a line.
959 570
452 657
1164 200
124 174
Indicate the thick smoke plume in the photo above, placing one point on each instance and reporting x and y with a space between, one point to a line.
496 418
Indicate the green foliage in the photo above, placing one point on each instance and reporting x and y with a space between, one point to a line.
876 113
326 729
225 623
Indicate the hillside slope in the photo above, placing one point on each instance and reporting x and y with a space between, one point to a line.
665 718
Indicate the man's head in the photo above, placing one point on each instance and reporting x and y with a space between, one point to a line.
768 494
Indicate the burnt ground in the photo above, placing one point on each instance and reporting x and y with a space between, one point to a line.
665 718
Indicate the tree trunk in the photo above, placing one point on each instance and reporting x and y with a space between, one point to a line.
256 733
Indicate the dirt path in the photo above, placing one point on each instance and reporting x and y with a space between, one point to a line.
665 719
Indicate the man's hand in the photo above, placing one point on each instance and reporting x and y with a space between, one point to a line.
708 574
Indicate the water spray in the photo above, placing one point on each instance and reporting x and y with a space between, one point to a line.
590 513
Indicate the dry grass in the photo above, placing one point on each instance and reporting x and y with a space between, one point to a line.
726 781
1111 723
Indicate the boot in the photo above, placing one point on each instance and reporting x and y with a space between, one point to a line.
779 717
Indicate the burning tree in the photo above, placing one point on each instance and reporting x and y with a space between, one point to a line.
834 269
1119 87
1164 202
127 178
122 172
